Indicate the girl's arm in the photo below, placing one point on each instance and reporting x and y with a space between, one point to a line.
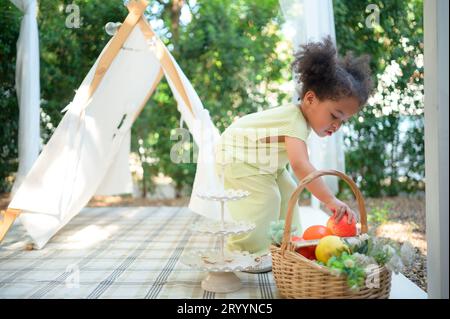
298 157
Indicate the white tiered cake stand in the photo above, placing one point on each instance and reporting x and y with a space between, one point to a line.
221 265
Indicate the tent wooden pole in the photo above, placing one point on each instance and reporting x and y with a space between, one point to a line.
166 61
8 218
136 8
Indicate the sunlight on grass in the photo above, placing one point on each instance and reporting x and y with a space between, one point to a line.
403 232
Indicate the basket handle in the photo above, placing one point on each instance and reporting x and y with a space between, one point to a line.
294 198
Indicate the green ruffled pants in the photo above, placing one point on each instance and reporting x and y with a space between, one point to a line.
267 202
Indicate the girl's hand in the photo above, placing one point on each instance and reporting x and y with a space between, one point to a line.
340 208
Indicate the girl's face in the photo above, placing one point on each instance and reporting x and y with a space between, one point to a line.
326 116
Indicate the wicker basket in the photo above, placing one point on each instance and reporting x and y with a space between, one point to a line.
299 277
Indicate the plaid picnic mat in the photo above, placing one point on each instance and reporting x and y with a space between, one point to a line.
117 252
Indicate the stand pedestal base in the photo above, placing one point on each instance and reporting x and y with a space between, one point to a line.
221 282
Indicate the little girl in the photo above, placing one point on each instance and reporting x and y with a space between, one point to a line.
254 150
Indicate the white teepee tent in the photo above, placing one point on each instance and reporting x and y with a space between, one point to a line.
88 152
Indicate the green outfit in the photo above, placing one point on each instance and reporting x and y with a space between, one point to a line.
260 168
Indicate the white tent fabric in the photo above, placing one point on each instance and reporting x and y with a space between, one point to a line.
206 136
27 87
118 179
306 21
81 157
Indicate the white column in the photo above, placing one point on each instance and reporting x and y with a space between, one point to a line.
436 145
28 88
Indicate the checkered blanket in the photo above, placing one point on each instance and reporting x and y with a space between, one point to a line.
125 252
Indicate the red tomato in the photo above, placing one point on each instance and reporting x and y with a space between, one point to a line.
316 232
308 252
342 229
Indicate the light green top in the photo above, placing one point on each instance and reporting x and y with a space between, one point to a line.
242 151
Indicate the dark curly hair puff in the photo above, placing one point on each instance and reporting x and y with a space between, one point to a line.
317 68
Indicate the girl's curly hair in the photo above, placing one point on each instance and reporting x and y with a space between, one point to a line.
317 68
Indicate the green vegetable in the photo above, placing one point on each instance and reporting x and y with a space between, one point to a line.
276 231
347 265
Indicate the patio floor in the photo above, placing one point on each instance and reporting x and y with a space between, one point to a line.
130 252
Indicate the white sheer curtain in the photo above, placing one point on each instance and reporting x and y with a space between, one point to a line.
306 21
27 86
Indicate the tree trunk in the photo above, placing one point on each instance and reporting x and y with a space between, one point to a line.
393 187
178 190
144 184
175 13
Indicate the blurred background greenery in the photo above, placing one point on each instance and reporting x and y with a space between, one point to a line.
235 54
